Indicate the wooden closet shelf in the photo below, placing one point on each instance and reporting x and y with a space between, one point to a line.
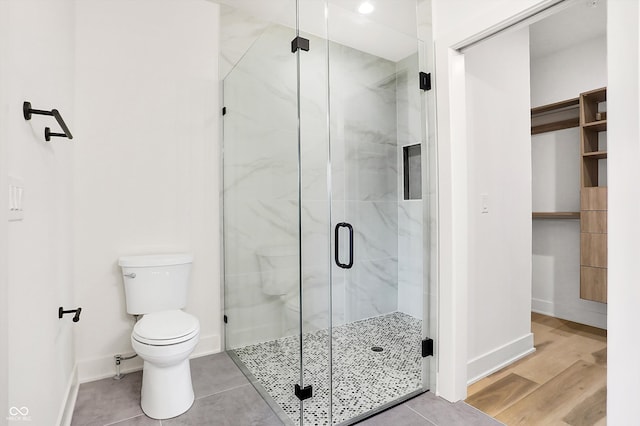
555 215
596 126
569 103
557 116
596 95
596 155
557 125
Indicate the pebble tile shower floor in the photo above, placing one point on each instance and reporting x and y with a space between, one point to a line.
363 379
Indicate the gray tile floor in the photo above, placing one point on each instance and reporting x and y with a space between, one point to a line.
225 397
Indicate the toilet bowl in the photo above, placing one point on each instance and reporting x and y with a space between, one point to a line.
164 340
165 336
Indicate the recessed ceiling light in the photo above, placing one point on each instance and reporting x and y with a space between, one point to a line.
365 8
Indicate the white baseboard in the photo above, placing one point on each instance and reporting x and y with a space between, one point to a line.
543 307
480 367
69 402
208 345
89 370
573 313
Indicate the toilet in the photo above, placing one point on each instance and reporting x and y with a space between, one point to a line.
164 336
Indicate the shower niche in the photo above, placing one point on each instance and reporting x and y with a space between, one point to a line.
326 243
412 171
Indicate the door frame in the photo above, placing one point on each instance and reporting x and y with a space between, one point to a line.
453 303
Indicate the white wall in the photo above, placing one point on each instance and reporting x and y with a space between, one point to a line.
146 177
499 168
4 284
623 102
36 64
451 14
556 183
567 73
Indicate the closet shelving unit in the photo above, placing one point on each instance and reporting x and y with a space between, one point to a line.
588 112
593 196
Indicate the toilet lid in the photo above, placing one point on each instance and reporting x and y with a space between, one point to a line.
166 328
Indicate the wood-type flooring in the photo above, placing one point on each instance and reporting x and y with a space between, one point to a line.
563 383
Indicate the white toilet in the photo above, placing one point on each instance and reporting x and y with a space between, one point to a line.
156 287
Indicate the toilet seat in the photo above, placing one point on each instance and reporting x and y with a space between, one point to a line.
166 328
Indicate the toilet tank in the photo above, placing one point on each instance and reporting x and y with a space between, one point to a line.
154 283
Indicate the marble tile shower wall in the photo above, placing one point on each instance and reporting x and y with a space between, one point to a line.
365 173
260 183
239 30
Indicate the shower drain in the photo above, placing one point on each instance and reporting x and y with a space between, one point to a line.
376 349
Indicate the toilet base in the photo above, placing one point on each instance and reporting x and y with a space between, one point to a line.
166 391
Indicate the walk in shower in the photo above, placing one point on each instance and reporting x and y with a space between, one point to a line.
328 189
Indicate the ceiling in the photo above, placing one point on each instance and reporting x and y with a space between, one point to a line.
571 26
389 32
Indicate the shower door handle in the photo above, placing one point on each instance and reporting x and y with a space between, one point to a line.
337 245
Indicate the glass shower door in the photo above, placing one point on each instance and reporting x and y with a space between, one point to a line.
377 138
261 170
362 147
315 293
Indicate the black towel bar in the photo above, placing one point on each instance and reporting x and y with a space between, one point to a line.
27 111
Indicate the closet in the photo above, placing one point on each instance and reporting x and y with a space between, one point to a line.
588 112
568 79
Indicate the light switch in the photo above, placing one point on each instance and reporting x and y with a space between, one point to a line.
484 203
16 199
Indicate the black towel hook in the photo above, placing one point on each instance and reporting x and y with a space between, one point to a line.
76 317
27 111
